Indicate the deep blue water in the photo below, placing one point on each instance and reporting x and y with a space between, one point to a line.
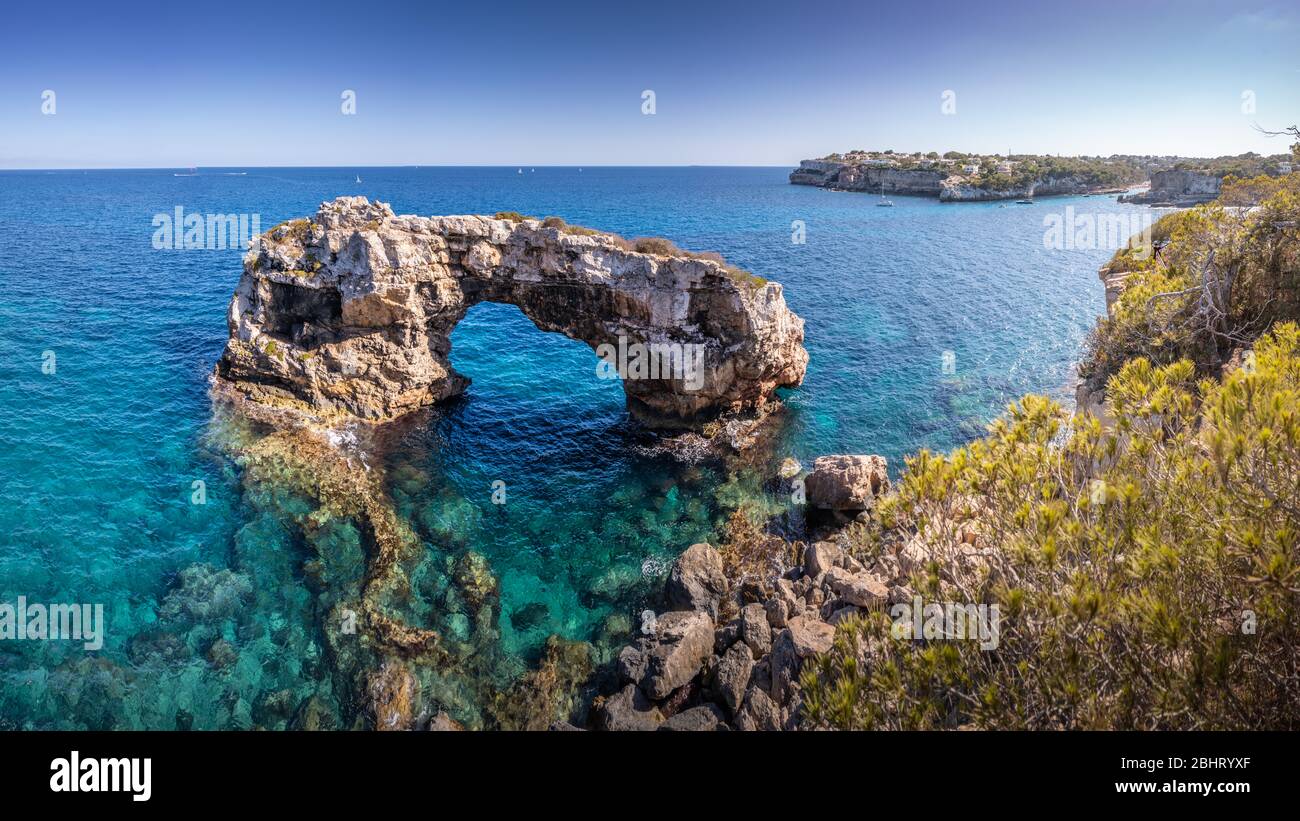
98 458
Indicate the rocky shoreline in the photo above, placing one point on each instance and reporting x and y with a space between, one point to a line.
726 653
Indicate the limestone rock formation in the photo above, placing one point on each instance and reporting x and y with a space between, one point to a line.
1177 187
696 581
695 674
846 482
348 315
849 177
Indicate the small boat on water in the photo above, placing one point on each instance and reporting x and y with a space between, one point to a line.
1024 202
358 179
193 172
884 203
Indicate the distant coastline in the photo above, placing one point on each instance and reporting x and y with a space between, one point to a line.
959 177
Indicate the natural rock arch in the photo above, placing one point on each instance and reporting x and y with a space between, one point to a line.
349 314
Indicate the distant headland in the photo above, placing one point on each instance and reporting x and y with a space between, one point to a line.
959 177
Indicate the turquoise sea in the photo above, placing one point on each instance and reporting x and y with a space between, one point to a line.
922 322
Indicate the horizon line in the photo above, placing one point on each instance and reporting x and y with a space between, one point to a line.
393 165
795 164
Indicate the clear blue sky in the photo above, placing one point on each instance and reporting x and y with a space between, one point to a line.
749 83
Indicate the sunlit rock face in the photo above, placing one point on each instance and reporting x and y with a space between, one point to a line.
349 315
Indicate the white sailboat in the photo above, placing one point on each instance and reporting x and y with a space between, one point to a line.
358 179
884 203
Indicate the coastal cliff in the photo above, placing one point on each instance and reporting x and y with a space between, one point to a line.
965 178
1177 188
348 315
848 177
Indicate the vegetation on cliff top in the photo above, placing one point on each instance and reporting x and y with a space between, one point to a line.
995 172
1147 572
1211 280
1147 575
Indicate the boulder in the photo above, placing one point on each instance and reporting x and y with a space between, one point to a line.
681 645
704 718
784 662
758 712
631 664
846 483
696 581
820 557
725 636
777 611
860 589
810 636
731 677
755 630
629 710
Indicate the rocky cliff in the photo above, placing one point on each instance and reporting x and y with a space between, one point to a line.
348 315
842 176
846 177
1177 188
726 652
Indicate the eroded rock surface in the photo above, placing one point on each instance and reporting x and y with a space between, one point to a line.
349 314
847 482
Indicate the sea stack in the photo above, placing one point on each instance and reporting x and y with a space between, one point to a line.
348 315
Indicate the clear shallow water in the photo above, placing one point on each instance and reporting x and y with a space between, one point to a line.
98 460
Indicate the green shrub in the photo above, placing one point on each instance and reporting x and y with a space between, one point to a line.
1147 574
1222 276
513 216
656 245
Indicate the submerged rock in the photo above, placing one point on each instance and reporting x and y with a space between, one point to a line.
203 594
474 577
391 693
547 694
314 713
529 616
442 723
